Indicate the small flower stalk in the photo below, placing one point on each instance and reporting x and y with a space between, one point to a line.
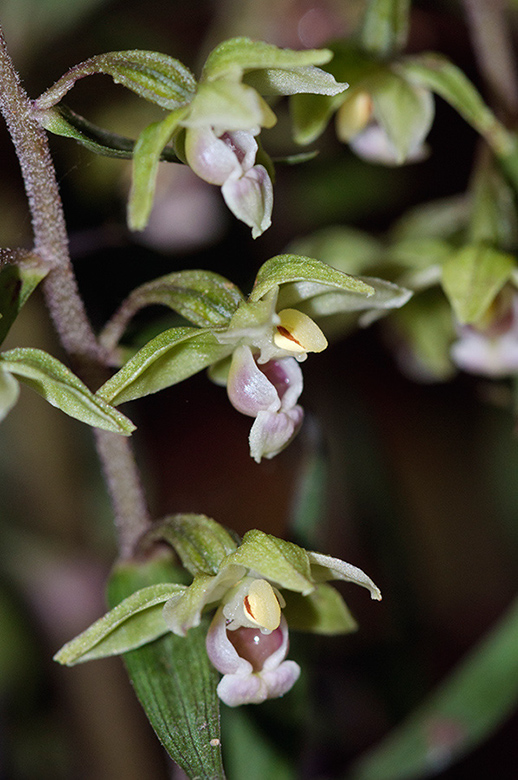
258 589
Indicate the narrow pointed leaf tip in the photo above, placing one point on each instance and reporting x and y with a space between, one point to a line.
134 622
63 389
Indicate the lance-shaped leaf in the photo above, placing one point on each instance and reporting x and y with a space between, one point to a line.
321 612
61 120
232 58
17 281
203 297
146 156
295 268
171 357
138 619
153 76
472 277
435 72
175 682
385 27
200 542
61 388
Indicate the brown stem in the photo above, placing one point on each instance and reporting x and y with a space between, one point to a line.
62 296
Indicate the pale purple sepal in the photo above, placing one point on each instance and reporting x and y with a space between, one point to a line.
250 198
269 392
373 145
478 353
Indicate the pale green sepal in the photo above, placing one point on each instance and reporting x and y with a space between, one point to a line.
295 81
385 27
405 112
318 300
435 72
63 389
418 254
281 562
9 392
437 219
232 58
295 268
132 623
493 219
184 610
203 297
171 357
146 156
200 542
227 106
325 567
472 277
153 76
321 612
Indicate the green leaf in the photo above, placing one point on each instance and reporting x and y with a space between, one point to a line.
61 120
61 388
472 277
155 77
321 612
229 105
295 81
17 281
175 683
171 357
435 72
277 560
232 58
462 712
385 27
203 297
405 112
132 623
146 156
200 542
295 268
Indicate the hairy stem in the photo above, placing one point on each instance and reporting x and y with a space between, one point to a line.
62 296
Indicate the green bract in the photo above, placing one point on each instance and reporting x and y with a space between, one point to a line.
60 387
228 98
217 562
180 352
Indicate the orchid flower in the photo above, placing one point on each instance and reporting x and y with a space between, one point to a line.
257 588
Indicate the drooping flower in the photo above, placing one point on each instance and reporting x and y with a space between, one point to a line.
265 379
259 589
490 349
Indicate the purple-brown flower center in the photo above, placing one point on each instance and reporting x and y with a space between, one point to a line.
254 646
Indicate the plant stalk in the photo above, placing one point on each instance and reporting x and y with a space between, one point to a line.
63 298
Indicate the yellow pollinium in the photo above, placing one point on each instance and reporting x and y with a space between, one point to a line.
262 605
353 115
297 333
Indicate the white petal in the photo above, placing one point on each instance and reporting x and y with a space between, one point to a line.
250 199
273 431
249 390
210 157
